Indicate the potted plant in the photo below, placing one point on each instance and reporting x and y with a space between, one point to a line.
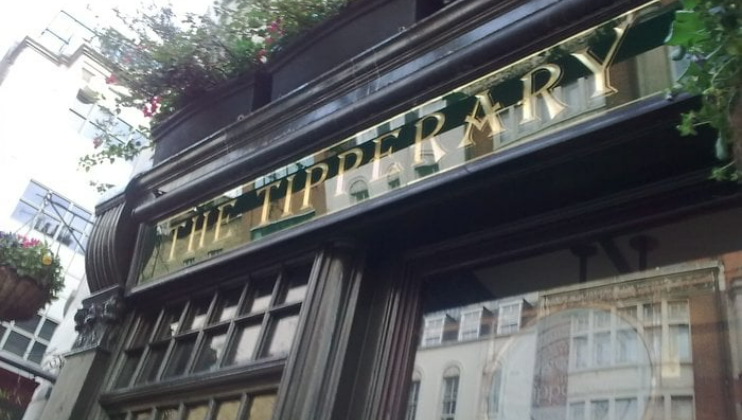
709 34
30 276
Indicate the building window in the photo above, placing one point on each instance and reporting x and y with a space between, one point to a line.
65 34
433 331
494 402
414 395
256 407
359 190
27 339
508 320
92 121
470 325
450 393
56 217
234 329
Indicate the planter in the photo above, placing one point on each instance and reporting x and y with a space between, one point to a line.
215 110
20 297
359 27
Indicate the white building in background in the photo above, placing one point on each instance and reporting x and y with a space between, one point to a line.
52 93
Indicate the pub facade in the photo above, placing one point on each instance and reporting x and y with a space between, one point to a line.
468 211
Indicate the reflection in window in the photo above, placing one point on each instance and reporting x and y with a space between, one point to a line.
450 394
359 190
56 217
224 329
471 323
414 394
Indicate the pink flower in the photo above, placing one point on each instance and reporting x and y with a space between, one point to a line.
97 142
111 79
268 40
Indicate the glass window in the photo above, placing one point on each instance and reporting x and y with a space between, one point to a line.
29 325
53 215
37 353
208 332
412 397
227 410
450 395
282 336
471 323
244 345
508 320
16 344
613 348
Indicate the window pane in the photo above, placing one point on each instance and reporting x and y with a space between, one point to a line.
599 410
681 408
282 336
297 286
170 322
170 413
626 409
261 297
127 370
243 347
34 194
602 345
197 412
152 364
24 213
46 224
227 308
678 311
16 344
37 353
577 411
261 407
47 330
142 415
679 342
29 325
180 357
626 346
228 410
144 329
196 315
580 358
212 351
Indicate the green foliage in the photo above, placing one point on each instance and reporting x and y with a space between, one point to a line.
709 33
33 259
166 62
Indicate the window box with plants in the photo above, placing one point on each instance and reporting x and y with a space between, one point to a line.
30 276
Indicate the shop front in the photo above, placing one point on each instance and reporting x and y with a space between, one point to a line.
489 215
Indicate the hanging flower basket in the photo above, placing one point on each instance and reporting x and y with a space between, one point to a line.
20 297
30 276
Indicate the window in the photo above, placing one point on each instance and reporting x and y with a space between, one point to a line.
56 217
471 324
433 332
495 397
93 121
232 329
508 320
65 34
27 339
450 393
359 190
256 406
414 394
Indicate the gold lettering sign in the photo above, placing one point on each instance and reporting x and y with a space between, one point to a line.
586 75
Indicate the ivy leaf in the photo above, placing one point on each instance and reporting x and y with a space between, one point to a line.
687 29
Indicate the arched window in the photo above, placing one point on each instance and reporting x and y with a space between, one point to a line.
413 396
359 190
494 401
450 393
